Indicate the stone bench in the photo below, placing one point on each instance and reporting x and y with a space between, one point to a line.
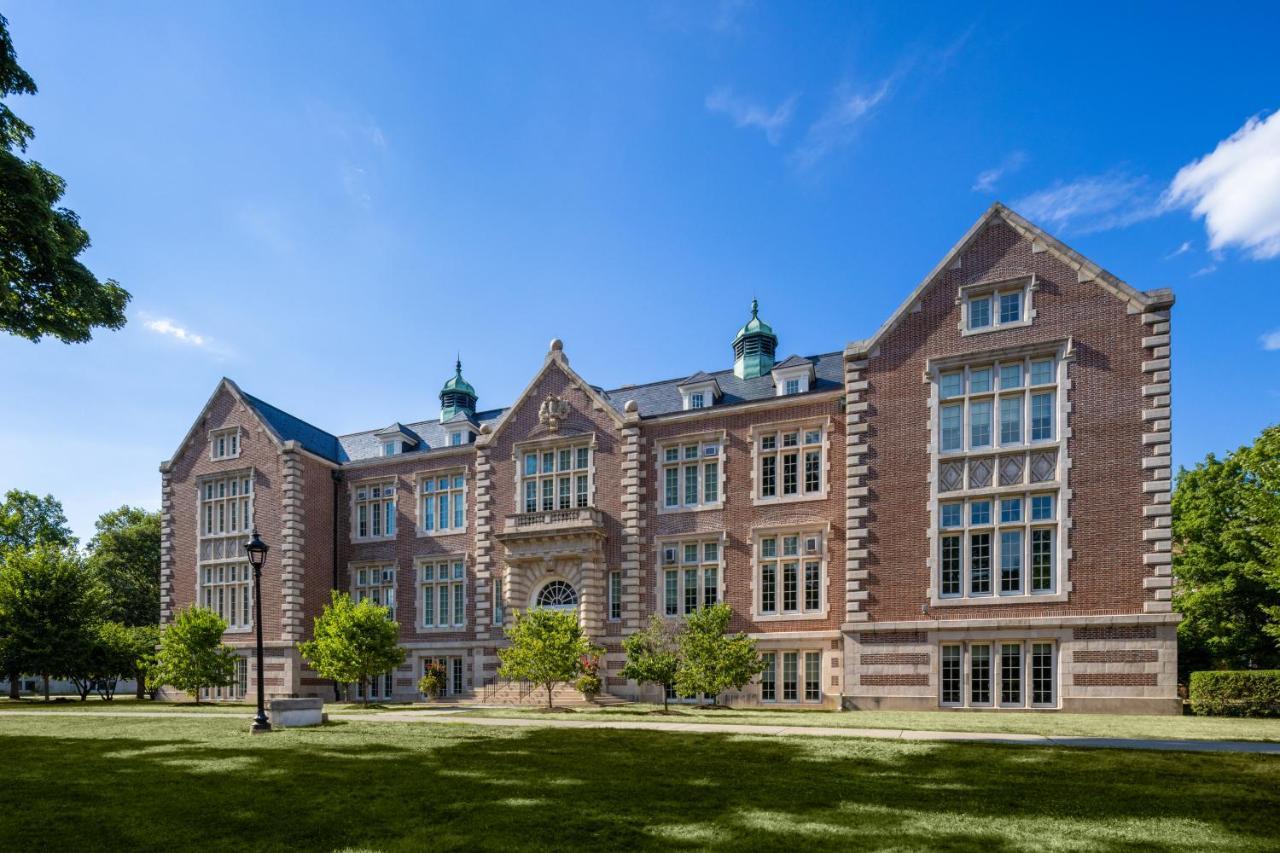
292 713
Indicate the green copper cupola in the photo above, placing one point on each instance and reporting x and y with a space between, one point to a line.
754 346
457 396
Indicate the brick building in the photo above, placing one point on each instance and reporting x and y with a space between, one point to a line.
970 508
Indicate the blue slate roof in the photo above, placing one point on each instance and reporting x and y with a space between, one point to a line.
653 399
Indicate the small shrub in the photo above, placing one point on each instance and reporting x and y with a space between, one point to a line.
431 684
589 683
1236 693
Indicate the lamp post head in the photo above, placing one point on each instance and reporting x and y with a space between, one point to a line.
257 550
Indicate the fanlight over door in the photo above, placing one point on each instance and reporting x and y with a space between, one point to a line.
557 595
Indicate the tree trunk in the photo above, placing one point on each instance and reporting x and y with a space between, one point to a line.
364 690
14 679
550 705
46 686
666 709
142 685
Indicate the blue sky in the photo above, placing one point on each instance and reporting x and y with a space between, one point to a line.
327 202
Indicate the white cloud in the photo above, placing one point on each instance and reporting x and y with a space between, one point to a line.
839 124
744 113
1092 203
168 328
1236 189
987 180
1271 340
1181 250
1208 269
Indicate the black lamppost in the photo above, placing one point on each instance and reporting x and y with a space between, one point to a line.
257 556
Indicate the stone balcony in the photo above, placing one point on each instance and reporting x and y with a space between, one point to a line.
553 522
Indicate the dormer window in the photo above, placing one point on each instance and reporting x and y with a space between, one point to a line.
793 386
699 391
459 437
224 443
696 400
390 448
997 305
794 376
395 439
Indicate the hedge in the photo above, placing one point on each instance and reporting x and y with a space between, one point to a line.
1238 693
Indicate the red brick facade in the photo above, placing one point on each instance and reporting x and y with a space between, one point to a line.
1102 641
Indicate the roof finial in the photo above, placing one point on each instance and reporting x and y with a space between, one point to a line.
755 308
457 366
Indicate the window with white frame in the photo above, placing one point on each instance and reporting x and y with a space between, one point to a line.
791 676
237 689
375 583
390 448
225 516
996 307
691 573
228 591
498 606
442 503
998 673
790 463
1002 545
451 668
691 474
790 571
556 478
375 510
225 443
999 443
442 593
615 596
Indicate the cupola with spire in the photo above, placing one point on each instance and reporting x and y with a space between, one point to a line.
754 347
457 397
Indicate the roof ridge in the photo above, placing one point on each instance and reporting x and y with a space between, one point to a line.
261 402
709 373
410 424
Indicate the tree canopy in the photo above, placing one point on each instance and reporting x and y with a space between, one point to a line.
353 642
1226 529
711 660
547 648
44 289
192 655
125 556
27 520
653 655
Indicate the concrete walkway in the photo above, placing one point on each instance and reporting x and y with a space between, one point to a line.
453 716
1259 747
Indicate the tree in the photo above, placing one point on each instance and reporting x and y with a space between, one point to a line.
353 642
192 655
712 661
1226 531
125 555
44 289
653 656
109 654
49 606
547 648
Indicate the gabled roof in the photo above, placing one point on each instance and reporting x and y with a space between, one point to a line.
699 380
793 361
433 435
1086 270
289 428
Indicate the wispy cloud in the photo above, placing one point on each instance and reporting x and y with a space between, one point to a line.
1236 189
1092 203
168 328
1271 340
745 113
1181 250
987 180
840 123
1208 269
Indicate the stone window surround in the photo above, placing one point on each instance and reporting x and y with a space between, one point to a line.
242 535
678 541
451 471
995 639
418 584
353 487
356 565
1026 283
799 425
823 529
801 676
803 373
222 432
706 389
1064 355
555 442
659 447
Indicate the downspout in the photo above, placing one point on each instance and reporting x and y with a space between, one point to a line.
337 490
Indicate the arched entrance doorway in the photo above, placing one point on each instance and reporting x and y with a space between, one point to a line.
556 595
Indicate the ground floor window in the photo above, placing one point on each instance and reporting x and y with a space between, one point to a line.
791 677
454 680
984 673
238 689
379 687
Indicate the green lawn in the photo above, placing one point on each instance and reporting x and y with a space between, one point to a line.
1054 724
129 703
153 784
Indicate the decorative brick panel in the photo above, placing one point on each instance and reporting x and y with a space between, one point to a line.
1114 632
1114 679
1116 656
899 680
888 638
895 659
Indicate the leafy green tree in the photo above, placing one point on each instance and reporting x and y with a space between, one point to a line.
192 655
1226 557
353 642
653 656
125 555
142 642
711 660
26 521
547 648
44 289
109 654
49 605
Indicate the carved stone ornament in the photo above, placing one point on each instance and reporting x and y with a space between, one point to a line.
552 412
